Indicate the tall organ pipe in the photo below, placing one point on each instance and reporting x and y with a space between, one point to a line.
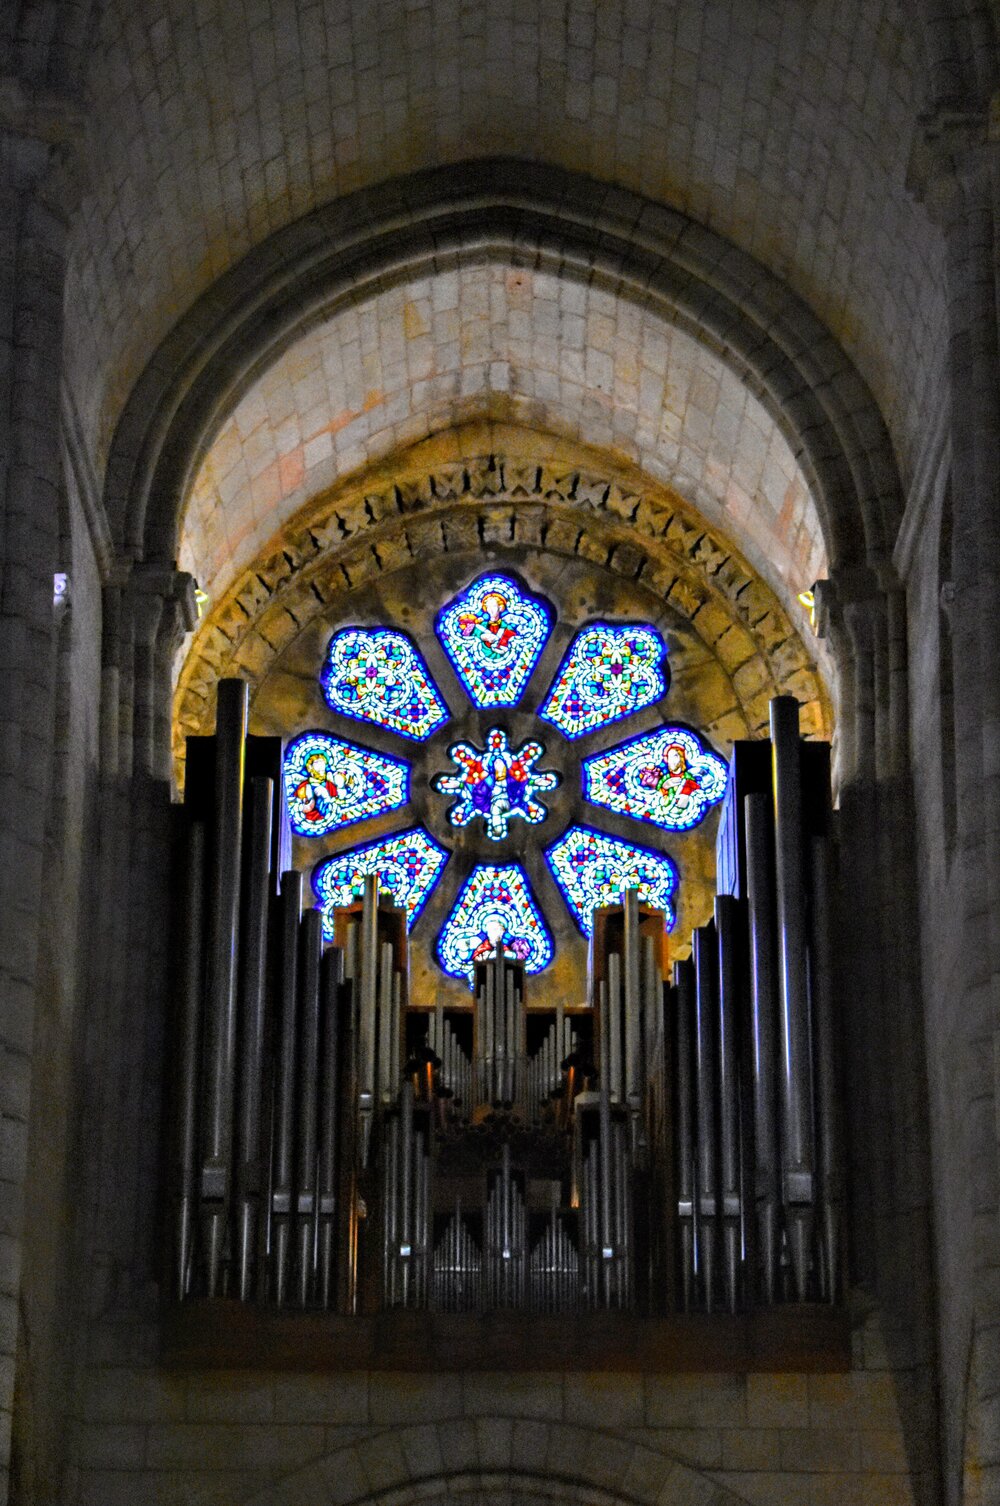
192 979
821 984
684 996
330 979
253 1000
633 1036
614 1033
796 1079
284 1103
221 972
368 1013
706 1012
404 1250
726 924
308 1100
763 1022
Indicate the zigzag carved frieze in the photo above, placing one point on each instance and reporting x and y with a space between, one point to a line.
352 539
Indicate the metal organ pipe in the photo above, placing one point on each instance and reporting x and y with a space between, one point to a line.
329 1108
633 1023
796 1122
290 911
308 1100
368 1012
727 928
253 1002
706 1012
684 997
614 992
827 1116
191 983
225 866
763 1026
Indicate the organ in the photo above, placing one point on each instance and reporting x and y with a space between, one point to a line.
667 1145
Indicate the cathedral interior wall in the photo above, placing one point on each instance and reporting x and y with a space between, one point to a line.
206 140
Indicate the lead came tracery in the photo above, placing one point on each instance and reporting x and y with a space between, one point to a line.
494 633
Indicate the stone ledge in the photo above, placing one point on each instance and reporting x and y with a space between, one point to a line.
223 1335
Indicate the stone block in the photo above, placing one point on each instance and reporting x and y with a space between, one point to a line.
413 1398
603 1400
777 1401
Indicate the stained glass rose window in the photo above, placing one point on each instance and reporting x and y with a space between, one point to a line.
494 635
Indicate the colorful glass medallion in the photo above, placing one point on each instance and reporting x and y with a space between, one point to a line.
667 777
496 784
330 783
408 866
493 634
495 904
593 870
378 676
608 673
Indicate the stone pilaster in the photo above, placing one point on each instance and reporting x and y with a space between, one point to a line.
33 212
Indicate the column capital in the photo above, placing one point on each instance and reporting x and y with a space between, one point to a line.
41 135
955 153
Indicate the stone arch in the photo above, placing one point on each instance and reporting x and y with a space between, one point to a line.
490 341
507 1461
531 494
588 232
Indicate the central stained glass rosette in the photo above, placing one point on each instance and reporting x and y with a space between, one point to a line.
496 784
494 633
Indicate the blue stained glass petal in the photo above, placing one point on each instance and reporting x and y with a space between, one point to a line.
494 900
493 634
667 777
609 672
594 870
376 675
330 783
408 865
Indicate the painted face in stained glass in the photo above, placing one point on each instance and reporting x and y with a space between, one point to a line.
493 634
378 676
593 870
408 866
330 783
609 672
495 905
668 777
496 784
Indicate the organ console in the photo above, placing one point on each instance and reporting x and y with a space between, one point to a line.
669 1144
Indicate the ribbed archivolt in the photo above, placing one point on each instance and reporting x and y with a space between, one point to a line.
668 1143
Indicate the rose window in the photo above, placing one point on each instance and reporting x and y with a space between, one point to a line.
488 784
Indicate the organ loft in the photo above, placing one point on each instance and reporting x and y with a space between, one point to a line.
499 798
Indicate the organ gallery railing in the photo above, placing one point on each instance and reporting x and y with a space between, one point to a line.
670 1144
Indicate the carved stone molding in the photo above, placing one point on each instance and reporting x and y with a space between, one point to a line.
641 533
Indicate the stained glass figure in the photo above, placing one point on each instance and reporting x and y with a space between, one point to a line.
331 783
493 634
496 784
668 777
609 672
494 904
378 676
408 865
594 870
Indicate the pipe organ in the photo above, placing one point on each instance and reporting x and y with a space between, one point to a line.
668 1144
